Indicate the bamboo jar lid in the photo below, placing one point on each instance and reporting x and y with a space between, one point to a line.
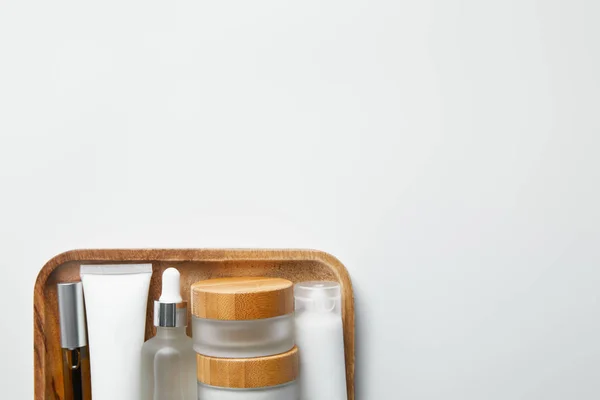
242 298
248 373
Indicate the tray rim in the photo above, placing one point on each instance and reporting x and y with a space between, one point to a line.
189 255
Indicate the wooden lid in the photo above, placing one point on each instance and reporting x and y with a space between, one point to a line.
246 373
242 298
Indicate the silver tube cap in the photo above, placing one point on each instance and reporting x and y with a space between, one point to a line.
71 311
170 315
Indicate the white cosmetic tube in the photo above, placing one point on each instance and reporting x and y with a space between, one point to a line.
116 298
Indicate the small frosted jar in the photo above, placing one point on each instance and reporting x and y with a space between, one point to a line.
262 378
242 317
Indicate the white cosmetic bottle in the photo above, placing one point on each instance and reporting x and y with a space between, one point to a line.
168 359
320 338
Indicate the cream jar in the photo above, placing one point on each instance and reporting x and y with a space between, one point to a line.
262 378
242 317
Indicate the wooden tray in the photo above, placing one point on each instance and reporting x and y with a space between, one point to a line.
194 265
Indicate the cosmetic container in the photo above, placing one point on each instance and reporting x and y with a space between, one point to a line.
263 378
320 338
242 317
73 340
116 297
168 359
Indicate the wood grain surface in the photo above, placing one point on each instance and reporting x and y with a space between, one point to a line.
242 298
194 265
246 373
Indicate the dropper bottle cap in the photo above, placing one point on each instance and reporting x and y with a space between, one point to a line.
170 311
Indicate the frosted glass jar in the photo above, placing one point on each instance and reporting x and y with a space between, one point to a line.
288 391
262 378
242 317
243 339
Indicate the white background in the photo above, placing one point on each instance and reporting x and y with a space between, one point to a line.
446 151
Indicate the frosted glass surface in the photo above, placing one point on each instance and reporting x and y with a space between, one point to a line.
169 366
282 392
243 339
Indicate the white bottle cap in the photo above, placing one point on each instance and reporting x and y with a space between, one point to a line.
318 296
170 287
